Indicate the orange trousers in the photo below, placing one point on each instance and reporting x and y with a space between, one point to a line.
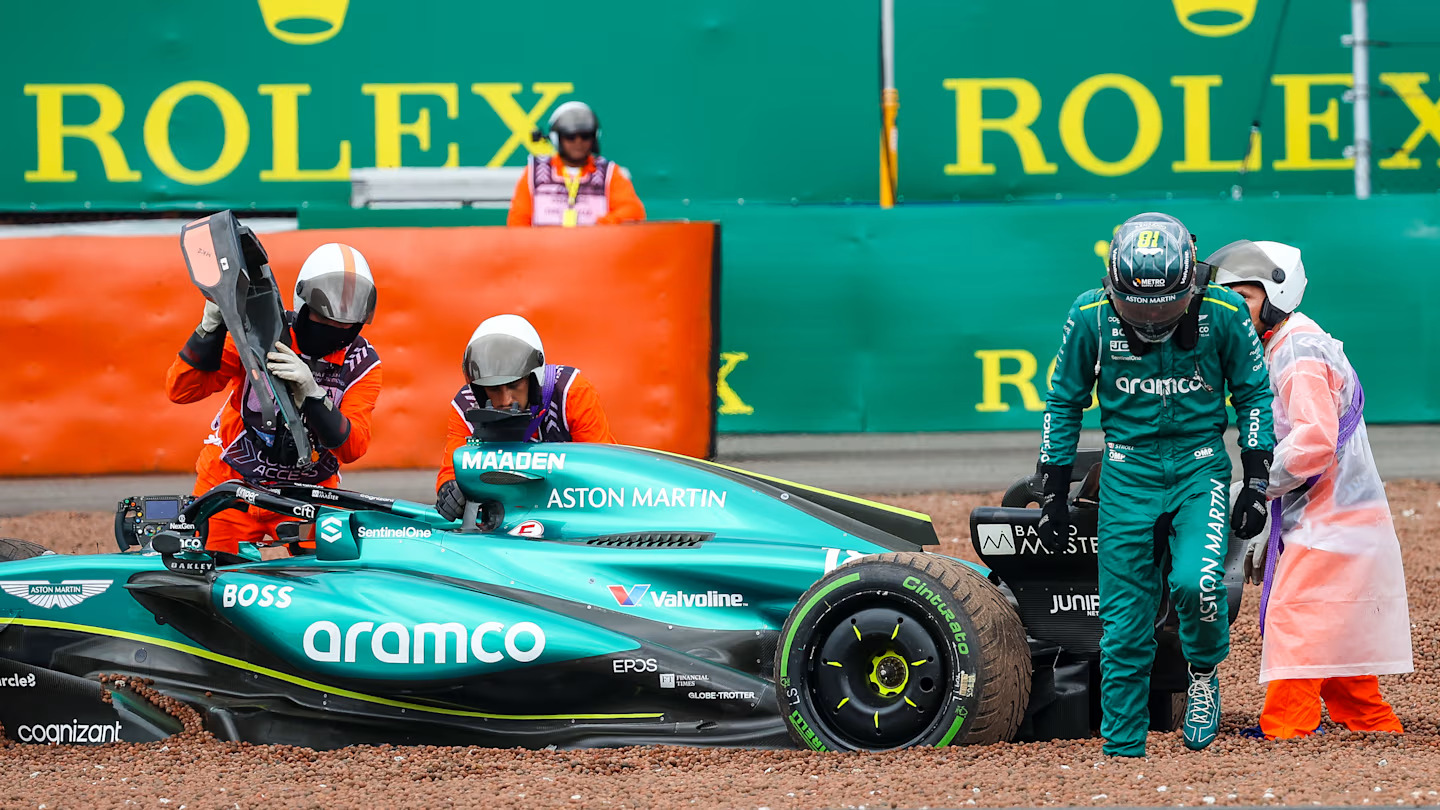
228 529
1292 706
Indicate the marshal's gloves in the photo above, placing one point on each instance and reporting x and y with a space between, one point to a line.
1247 514
1255 558
211 322
287 365
1054 526
450 501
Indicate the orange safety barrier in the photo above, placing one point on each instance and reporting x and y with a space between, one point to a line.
90 325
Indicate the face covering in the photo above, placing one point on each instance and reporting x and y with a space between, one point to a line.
318 339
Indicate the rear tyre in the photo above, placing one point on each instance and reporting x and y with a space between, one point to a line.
20 549
899 650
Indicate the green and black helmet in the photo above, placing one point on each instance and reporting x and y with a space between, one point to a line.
1151 275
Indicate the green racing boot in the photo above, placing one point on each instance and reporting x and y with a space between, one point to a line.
1202 709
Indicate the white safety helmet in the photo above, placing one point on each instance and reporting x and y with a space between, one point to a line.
1272 265
503 349
335 282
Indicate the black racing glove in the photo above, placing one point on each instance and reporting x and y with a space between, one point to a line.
450 501
1054 526
1247 514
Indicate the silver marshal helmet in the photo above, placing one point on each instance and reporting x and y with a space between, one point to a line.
503 349
335 282
574 118
1151 275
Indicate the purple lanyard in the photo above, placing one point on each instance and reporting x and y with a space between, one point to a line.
547 392
1348 423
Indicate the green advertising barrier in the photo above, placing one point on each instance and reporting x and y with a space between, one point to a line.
268 105
938 318
1059 99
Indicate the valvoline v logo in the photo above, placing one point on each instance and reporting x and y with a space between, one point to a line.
631 597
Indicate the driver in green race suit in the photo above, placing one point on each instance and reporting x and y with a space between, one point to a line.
1162 344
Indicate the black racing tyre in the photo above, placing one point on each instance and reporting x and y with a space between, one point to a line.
20 549
899 650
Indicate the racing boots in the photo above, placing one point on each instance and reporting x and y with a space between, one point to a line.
1202 709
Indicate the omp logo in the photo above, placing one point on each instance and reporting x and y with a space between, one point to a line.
995 539
68 593
303 22
1235 14
1205 452
447 637
330 528
74 732
628 598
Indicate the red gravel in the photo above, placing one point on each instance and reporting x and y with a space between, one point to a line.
1339 767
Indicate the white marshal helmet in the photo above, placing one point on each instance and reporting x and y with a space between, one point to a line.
1272 265
335 282
503 349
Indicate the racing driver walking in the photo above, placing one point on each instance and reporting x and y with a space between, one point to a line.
1160 345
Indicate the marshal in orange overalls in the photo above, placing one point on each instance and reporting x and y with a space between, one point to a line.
351 375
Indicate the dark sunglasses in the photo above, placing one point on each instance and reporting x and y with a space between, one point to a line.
578 136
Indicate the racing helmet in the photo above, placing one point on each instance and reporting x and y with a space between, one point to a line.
335 282
1274 266
503 349
574 118
1151 276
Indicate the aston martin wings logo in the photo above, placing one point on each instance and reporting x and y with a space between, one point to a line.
45 594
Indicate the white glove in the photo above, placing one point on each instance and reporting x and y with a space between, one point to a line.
287 365
1255 558
211 320
1256 547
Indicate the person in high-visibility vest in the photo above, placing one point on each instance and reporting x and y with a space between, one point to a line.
575 186
332 372
505 368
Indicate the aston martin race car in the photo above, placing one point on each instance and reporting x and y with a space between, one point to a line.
591 595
